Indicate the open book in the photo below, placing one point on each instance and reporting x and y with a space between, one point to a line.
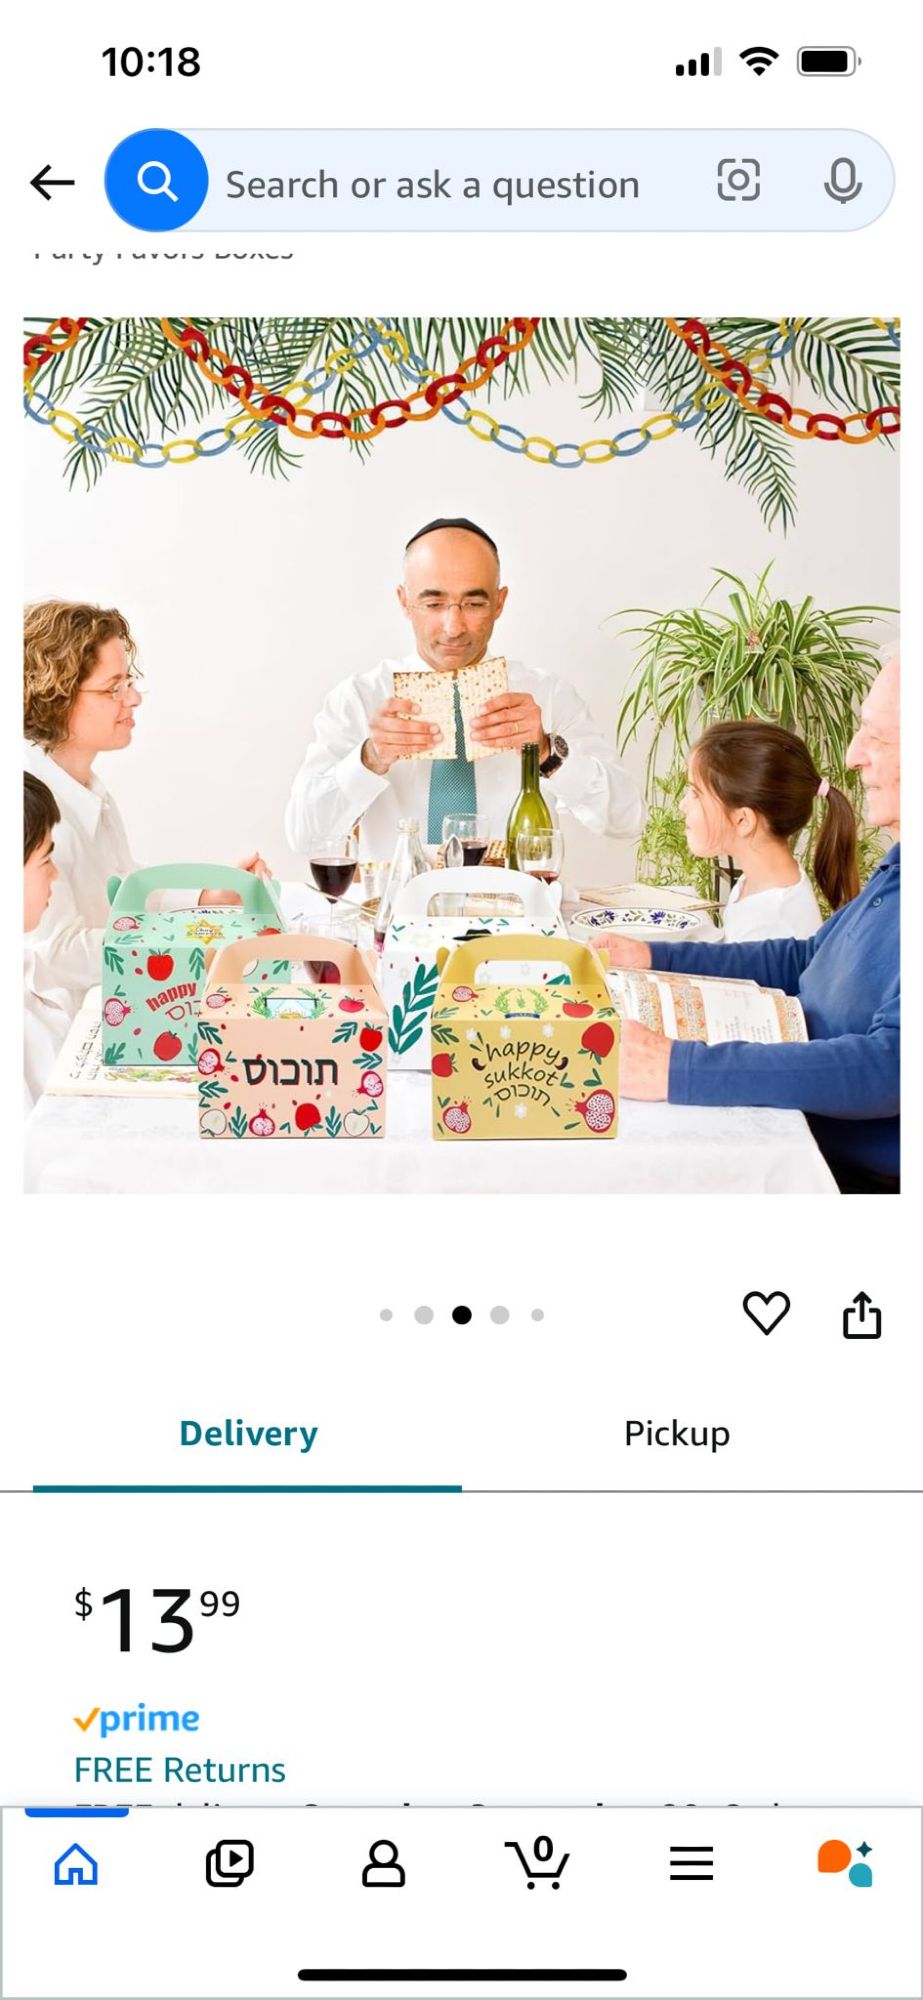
703 1009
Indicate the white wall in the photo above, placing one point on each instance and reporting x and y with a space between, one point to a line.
251 597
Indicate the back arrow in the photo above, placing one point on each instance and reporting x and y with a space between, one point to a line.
41 184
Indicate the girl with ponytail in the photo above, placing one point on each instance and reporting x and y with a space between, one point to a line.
751 790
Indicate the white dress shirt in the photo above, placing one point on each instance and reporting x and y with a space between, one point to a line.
90 844
333 788
790 912
45 1024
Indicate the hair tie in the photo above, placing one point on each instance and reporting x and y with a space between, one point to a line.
823 788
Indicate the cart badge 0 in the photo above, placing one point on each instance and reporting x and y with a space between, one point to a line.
287 1060
154 960
518 1059
491 902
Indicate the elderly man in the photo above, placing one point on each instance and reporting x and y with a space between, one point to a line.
847 977
364 763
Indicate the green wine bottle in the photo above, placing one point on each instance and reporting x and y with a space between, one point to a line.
530 814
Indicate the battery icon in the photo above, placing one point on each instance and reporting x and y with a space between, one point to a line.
827 62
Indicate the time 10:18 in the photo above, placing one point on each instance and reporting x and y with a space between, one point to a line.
131 62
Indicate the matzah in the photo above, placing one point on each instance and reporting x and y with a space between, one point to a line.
435 699
477 685
434 694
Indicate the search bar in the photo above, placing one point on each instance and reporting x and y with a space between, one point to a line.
618 180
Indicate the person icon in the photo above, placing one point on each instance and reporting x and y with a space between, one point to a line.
383 1869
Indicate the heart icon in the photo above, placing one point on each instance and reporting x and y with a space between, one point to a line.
766 1309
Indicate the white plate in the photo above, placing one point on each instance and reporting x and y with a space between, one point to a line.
636 922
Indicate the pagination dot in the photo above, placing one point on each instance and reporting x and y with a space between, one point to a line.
423 1315
538 1313
461 1315
386 1313
499 1315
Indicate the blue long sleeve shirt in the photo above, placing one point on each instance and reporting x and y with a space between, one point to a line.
847 1077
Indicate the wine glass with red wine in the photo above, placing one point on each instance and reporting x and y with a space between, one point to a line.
471 830
333 864
541 853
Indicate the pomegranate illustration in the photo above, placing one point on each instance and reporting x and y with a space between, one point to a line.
209 1061
371 1085
576 1010
442 1065
125 924
216 999
457 1118
114 1013
306 1116
598 1111
370 1039
463 993
355 1124
598 1039
159 965
212 1123
167 1047
261 1125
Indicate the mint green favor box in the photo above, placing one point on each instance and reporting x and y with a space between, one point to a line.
153 970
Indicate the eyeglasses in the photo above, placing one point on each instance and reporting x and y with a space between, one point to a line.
436 607
119 689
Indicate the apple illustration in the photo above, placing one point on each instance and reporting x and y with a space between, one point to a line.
598 1039
159 965
577 1010
370 1039
306 1116
348 1006
442 1065
167 1047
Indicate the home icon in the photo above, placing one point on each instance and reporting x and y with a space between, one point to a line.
76 1869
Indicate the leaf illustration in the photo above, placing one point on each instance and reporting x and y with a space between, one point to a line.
115 1052
112 959
197 961
210 1089
282 968
442 1036
208 1033
367 1060
333 1123
192 1049
345 1031
239 1123
409 1021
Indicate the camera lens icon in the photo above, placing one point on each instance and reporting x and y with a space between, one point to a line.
739 180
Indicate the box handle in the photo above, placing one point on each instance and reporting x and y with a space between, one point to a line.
584 965
229 961
414 899
130 894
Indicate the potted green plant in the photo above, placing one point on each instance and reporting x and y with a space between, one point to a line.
804 667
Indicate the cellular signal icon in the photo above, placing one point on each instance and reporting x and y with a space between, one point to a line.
703 65
759 60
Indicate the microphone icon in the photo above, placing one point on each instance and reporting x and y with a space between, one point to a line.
843 185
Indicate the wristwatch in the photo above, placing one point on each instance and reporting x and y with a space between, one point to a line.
558 749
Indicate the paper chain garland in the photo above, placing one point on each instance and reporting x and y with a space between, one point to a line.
726 376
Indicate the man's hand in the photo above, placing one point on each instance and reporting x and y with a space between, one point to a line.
253 864
644 1063
394 733
624 954
508 721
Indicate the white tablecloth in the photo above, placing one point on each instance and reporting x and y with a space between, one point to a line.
87 1145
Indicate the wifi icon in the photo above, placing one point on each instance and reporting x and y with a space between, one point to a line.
759 60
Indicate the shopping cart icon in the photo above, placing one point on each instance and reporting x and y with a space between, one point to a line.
542 1851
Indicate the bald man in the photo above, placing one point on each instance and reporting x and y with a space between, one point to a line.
848 979
362 763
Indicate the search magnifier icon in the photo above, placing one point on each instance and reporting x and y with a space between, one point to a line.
160 187
156 162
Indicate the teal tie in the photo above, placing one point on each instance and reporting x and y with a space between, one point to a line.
452 787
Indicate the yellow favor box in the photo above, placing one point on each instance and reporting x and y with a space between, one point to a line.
518 1057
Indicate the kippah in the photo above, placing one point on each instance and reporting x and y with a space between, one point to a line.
471 527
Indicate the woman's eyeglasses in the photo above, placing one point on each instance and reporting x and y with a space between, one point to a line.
118 690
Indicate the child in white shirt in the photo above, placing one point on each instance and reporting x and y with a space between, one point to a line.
751 791
46 1019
